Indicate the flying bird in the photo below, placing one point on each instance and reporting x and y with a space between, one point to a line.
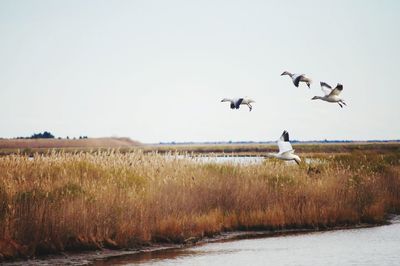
297 78
331 95
286 151
236 102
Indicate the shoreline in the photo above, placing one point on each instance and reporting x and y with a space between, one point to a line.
104 254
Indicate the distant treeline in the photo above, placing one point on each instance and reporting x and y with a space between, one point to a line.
269 142
47 135
44 135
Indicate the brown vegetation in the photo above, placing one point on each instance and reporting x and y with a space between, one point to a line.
61 201
67 143
255 149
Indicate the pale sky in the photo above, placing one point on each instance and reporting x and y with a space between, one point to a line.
157 70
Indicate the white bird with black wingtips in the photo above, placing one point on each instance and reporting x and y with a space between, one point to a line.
331 95
286 152
236 102
297 78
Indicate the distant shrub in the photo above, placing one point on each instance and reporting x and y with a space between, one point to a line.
44 135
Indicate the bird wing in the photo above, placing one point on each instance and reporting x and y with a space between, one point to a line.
296 79
238 102
245 100
326 88
284 136
304 78
284 146
283 142
336 91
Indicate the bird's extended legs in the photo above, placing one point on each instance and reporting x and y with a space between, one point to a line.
250 107
341 106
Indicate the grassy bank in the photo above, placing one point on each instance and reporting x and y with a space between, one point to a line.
78 201
8 147
11 145
251 148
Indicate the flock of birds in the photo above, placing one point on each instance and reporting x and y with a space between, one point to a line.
286 152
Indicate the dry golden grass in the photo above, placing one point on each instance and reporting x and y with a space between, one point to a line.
251 148
64 201
67 143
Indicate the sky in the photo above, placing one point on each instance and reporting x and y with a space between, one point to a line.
157 70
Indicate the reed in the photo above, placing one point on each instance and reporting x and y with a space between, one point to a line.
79 201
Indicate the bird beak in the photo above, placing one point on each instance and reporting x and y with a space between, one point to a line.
283 74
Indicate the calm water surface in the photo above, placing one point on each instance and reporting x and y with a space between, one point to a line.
229 159
370 246
243 160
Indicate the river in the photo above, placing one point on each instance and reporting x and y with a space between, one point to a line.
363 246
368 246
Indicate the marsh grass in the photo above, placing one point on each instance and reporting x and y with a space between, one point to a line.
79 201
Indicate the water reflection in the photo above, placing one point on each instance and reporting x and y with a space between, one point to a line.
370 246
154 257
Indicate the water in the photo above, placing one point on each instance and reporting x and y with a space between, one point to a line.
243 160
369 246
230 159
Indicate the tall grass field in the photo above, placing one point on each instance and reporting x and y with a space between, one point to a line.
78 201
